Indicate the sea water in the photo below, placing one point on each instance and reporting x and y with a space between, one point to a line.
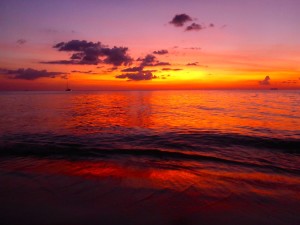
150 157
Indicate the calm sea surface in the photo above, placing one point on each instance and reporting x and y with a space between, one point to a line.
198 150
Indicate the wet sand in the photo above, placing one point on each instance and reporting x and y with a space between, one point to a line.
36 191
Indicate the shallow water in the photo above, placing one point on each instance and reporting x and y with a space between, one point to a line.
179 157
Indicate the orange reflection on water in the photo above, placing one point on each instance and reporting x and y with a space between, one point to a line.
242 112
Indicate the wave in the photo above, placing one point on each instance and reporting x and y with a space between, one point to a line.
205 140
168 146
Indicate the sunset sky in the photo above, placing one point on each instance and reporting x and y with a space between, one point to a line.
146 45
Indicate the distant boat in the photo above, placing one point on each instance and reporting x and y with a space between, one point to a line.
68 89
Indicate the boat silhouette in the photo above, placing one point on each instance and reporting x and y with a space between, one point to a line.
68 88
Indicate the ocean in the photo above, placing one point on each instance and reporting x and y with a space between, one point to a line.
150 157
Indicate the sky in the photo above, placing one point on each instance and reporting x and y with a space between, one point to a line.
149 45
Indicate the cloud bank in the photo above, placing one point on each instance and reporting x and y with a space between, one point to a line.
141 75
30 74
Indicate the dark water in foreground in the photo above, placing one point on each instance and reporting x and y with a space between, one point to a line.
160 157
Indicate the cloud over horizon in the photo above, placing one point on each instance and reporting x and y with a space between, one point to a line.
193 64
138 76
84 72
170 69
30 74
138 73
265 81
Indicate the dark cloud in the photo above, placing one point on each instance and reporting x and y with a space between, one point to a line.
164 76
152 71
180 19
168 69
90 53
85 72
63 62
133 69
79 55
265 81
193 64
161 52
77 45
194 26
117 56
30 74
149 60
111 69
162 64
196 64
21 41
141 75
138 72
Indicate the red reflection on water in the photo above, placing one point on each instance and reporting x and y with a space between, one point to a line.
208 179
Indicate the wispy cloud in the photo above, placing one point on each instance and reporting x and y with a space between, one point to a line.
194 48
85 72
21 41
161 52
290 81
193 64
170 69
